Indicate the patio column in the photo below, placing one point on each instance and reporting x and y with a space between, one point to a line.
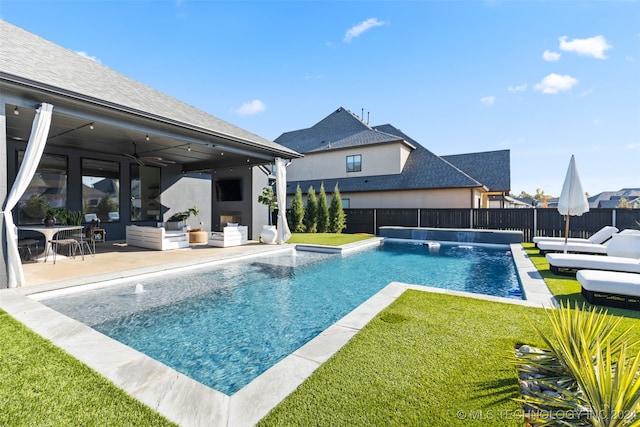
282 228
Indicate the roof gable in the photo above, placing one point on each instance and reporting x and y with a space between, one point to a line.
492 168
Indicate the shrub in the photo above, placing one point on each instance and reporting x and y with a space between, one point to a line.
296 213
337 218
323 212
311 212
587 369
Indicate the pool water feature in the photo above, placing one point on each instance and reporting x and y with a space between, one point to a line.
225 325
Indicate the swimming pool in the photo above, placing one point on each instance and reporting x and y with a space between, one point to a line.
224 326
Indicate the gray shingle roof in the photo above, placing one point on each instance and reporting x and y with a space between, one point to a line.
423 169
62 70
492 168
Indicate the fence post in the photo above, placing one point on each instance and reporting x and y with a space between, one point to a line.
375 222
471 218
418 217
535 223
613 217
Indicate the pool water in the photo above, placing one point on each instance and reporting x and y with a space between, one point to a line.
225 325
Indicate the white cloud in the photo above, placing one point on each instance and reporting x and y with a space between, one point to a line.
551 56
593 46
633 146
555 83
629 58
313 77
516 89
86 55
488 100
250 108
360 28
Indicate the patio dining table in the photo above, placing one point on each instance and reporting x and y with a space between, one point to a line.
48 232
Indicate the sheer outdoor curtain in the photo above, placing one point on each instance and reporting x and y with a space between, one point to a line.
283 232
32 156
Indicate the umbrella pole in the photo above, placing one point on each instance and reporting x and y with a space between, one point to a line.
566 233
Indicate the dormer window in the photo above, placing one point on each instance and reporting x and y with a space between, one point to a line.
354 163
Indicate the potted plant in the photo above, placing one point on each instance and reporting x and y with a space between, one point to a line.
178 219
268 198
50 216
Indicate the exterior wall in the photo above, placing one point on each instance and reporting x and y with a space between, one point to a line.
261 212
380 159
423 199
236 211
190 190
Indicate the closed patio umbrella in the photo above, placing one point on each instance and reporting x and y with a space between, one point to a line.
573 201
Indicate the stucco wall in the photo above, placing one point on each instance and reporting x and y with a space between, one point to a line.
425 199
376 160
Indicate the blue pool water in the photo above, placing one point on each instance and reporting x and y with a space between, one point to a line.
224 325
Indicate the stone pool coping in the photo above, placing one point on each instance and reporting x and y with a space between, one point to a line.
190 403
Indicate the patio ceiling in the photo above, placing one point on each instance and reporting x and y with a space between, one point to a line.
111 132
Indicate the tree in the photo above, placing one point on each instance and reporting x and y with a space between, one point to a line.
624 204
311 212
268 198
296 213
541 196
323 212
337 218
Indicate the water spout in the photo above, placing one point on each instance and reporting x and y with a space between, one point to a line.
139 288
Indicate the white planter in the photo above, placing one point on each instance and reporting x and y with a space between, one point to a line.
268 234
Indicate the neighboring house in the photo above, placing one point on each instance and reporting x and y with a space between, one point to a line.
381 167
611 199
155 155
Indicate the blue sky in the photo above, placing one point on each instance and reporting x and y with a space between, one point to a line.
545 79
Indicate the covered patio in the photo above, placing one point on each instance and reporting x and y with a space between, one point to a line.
118 149
115 260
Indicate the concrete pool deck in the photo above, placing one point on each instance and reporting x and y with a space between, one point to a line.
190 403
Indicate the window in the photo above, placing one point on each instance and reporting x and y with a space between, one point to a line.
48 188
354 163
346 203
145 193
101 190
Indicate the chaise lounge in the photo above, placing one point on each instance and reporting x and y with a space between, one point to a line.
613 289
598 238
623 254
590 248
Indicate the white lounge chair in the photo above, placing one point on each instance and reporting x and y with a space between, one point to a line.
599 237
613 289
630 238
560 263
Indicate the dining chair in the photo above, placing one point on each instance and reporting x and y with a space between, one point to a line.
65 239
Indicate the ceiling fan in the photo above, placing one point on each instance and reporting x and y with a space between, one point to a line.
148 160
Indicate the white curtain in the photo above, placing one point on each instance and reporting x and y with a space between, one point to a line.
283 232
32 156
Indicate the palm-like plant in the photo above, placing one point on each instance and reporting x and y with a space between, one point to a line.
588 369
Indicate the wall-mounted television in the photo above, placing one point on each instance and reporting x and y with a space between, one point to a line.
229 190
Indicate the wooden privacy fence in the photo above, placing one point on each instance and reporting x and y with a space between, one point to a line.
532 222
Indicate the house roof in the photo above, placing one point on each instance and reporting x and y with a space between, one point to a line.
423 169
489 167
340 129
608 199
30 62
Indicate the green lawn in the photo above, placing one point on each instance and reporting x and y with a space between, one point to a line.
428 359
331 239
41 385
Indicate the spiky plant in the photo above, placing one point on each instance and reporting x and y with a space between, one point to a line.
587 370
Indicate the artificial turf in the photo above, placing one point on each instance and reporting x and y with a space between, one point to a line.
427 360
41 385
